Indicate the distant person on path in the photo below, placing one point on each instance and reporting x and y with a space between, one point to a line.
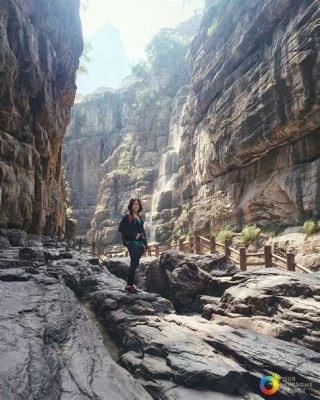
134 238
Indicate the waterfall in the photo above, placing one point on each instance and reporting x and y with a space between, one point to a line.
168 163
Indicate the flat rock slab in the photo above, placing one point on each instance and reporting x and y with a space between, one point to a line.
55 351
277 303
49 348
171 353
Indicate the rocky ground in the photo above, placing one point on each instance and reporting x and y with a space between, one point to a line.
200 329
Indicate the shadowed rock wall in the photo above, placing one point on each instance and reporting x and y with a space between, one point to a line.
40 46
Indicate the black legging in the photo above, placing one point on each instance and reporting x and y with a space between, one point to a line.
135 252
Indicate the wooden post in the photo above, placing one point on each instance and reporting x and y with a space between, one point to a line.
290 262
191 244
80 244
198 250
181 246
59 233
268 256
94 248
149 251
169 245
243 258
227 251
157 249
212 244
126 253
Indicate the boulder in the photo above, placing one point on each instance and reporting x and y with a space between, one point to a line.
182 278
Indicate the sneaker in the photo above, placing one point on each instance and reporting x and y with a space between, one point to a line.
130 289
135 287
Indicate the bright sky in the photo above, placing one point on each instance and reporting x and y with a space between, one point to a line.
137 20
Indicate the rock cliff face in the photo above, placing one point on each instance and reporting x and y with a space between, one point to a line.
243 145
251 140
123 143
93 134
40 45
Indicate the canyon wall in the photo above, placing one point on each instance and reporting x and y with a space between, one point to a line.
93 134
115 144
236 142
40 46
251 140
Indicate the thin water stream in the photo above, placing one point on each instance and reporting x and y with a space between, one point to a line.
168 163
107 339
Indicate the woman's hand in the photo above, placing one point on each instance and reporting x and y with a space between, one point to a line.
138 235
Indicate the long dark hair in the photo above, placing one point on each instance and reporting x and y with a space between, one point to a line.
132 200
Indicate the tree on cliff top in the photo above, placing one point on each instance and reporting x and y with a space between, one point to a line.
85 58
166 48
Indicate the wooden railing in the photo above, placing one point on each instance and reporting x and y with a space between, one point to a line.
200 244
208 245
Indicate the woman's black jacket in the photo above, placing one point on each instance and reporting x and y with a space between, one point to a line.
130 229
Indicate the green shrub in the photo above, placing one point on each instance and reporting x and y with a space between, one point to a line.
141 70
166 48
224 233
85 58
250 234
124 161
311 227
146 98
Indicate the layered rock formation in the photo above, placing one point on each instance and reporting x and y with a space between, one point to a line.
242 145
56 298
40 45
120 142
93 134
251 144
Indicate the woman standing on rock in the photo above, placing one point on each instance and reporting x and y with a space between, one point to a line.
134 238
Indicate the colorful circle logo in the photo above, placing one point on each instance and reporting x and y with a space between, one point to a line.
269 384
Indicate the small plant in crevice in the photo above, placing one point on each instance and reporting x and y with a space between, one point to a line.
250 233
225 233
311 227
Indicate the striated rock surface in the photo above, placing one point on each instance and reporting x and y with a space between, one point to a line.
40 45
250 147
240 146
92 136
126 144
49 346
277 303
182 278
175 356
54 297
119 139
